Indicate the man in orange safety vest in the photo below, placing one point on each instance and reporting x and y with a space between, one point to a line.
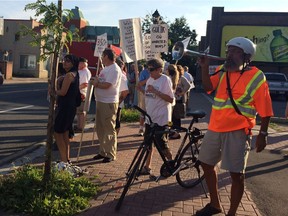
241 93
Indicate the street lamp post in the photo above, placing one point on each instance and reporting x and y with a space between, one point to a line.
156 18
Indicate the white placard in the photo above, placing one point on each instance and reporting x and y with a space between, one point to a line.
101 44
1 26
159 38
147 48
131 39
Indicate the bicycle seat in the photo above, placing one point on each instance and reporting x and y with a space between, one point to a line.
196 114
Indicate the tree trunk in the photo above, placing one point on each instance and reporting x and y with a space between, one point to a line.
51 115
50 125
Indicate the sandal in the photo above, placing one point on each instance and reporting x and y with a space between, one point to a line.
208 210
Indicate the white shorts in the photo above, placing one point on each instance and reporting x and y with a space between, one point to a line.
231 148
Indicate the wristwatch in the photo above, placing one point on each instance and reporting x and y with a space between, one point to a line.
264 133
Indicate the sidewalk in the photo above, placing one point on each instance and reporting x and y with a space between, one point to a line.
145 196
23 80
166 197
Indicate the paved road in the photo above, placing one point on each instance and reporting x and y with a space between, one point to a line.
267 177
23 115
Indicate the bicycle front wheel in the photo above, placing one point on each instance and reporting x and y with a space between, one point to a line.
190 173
131 177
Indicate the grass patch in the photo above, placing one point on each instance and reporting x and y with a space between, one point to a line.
273 125
129 115
279 126
23 191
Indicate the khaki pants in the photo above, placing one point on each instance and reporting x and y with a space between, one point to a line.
105 128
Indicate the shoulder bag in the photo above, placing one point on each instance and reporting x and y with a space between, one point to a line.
231 96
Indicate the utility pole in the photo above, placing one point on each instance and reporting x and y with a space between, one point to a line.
156 18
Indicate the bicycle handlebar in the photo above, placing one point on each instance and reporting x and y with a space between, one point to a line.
143 112
177 128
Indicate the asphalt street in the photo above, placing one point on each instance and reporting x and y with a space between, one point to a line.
23 116
267 180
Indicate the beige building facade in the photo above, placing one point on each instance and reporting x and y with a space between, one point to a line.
16 49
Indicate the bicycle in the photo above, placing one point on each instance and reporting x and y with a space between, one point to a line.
185 165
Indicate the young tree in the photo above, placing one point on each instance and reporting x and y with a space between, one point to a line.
178 31
53 38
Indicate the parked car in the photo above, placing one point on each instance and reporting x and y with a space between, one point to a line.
278 83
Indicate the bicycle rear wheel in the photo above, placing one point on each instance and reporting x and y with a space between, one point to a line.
131 177
191 173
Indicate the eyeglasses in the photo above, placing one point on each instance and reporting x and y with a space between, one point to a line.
234 50
151 69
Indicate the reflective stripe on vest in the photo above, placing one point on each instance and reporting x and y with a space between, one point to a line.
243 101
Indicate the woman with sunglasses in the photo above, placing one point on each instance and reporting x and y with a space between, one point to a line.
159 97
68 98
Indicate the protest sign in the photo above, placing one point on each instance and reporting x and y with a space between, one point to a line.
101 44
147 48
159 38
131 39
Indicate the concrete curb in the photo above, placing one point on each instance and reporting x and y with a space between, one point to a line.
21 153
279 120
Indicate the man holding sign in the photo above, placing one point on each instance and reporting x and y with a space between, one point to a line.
106 92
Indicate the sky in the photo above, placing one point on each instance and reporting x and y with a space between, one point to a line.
108 13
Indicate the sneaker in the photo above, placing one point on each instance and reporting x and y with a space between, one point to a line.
141 132
145 171
98 157
208 210
107 160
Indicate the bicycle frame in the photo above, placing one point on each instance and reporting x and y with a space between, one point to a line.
173 167
189 133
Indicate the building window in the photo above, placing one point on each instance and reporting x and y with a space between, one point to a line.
17 36
116 41
27 62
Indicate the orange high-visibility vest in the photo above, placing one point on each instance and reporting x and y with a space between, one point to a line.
251 94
